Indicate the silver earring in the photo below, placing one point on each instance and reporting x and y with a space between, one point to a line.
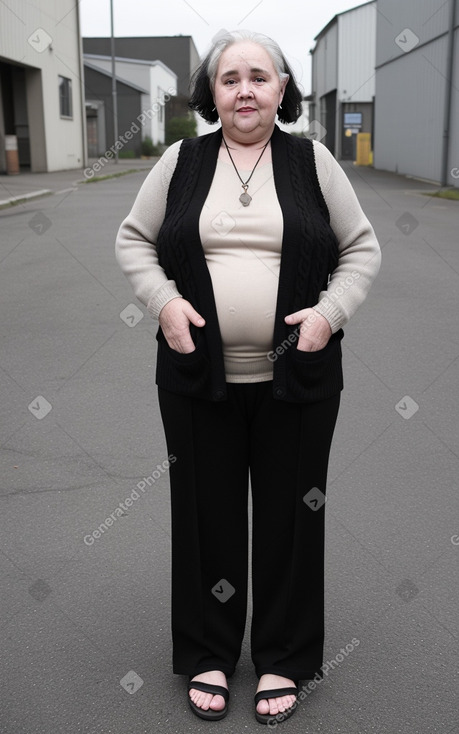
214 109
280 106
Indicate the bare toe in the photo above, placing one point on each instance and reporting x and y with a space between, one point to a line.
273 706
263 707
217 703
204 700
285 702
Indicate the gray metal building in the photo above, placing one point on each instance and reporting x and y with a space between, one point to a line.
343 79
417 89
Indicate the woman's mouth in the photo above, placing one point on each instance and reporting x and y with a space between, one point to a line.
245 110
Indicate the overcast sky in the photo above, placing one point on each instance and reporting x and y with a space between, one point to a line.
292 23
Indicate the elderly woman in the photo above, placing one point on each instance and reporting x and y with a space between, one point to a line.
251 249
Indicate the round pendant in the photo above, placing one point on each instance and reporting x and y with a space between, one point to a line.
245 199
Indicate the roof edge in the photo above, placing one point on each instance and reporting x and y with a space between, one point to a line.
335 18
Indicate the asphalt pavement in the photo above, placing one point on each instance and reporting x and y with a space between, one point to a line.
85 538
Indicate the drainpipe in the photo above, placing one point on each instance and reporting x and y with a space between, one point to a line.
448 94
84 162
114 88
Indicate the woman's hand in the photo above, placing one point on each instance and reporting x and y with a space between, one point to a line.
315 331
174 320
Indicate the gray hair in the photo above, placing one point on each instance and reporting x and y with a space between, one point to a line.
227 38
202 84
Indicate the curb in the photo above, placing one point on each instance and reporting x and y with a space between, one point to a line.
15 200
24 198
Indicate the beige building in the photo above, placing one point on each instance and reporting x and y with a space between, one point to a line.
41 97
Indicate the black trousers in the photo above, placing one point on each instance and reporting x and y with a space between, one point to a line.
285 447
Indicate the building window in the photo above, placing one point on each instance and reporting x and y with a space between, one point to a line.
161 94
65 97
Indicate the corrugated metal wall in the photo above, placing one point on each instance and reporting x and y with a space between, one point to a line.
454 132
410 88
426 18
356 43
343 62
326 62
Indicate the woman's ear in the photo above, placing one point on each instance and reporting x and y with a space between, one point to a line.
283 87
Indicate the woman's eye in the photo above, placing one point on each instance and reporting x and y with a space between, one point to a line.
259 79
230 82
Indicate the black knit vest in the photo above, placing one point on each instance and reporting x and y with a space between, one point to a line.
309 254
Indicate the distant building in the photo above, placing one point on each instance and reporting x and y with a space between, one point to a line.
132 100
343 80
41 94
155 79
177 53
417 89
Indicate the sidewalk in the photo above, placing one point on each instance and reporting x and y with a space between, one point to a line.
26 186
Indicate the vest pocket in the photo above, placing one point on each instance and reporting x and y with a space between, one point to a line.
317 375
186 374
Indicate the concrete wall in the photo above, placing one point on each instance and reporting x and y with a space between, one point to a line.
45 41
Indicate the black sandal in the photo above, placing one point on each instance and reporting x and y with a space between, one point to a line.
210 714
276 693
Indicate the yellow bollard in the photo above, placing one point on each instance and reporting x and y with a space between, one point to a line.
364 153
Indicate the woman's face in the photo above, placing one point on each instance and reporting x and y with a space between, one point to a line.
247 92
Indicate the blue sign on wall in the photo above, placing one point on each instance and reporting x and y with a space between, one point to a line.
352 119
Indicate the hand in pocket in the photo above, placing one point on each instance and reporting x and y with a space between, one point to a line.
314 330
174 319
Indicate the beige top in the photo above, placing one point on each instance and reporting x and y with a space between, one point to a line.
242 246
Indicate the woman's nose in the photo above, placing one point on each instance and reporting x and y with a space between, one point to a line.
244 89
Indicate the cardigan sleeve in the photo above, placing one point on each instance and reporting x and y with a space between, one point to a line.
136 240
359 252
